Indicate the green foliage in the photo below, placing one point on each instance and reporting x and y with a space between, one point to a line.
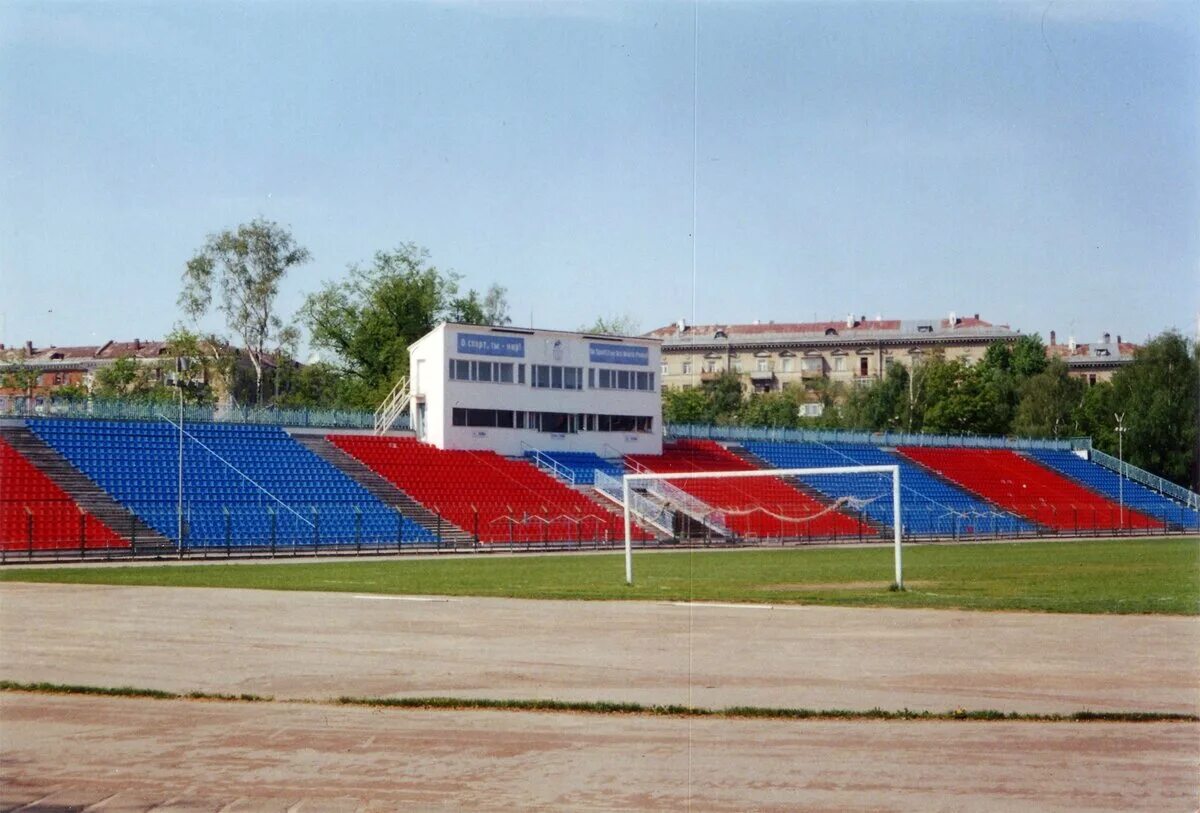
20 375
684 406
882 406
621 325
368 320
1158 395
1049 402
246 265
1095 576
127 379
773 409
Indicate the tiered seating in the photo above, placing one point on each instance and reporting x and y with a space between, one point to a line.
492 497
1022 486
1108 483
34 509
760 507
243 485
928 506
582 465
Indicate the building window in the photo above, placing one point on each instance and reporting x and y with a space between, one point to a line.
839 364
663 368
641 381
760 365
863 366
687 368
554 377
787 364
484 371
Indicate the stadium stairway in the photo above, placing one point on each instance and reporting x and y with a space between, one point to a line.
930 505
244 485
770 508
382 489
83 491
497 499
1034 491
1107 482
795 482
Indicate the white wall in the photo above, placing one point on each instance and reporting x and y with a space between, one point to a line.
433 387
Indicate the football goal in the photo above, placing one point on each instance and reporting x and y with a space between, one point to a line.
835 502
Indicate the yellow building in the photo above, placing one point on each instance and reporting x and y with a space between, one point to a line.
769 355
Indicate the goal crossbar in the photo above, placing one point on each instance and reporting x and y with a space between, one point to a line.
628 480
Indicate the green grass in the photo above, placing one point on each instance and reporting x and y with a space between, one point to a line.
607 707
1095 576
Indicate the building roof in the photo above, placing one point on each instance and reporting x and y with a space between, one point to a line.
854 329
89 356
1096 355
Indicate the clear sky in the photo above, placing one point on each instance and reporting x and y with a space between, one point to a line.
1035 163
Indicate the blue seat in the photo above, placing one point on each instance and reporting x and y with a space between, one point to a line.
929 506
234 478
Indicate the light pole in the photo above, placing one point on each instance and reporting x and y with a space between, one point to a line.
1121 458
181 364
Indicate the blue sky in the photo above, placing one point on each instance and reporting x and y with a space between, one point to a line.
1035 163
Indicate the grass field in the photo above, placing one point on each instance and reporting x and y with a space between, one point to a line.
1101 576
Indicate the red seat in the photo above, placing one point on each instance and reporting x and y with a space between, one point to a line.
759 507
34 510
1027 488
493 497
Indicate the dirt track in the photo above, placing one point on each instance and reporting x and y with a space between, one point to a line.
313 645
63 753
130 754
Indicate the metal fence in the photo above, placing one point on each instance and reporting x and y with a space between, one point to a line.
140 411
743 433
1177 492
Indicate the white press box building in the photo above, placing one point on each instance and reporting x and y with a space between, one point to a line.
511 390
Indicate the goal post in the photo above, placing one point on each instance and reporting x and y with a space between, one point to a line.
628 482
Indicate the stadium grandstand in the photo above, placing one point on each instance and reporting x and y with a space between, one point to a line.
520 438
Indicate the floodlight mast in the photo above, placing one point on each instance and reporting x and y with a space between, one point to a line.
894 471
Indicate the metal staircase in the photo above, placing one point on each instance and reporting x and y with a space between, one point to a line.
393 406
86 494
384 490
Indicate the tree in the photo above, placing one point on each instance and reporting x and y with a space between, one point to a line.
881 406
368 320
621 325
1158 393
20 375
247 266
204 359
774 409
724 395
495 306
684 406
1049 403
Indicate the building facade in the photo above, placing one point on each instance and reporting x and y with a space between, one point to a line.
511 390
856 351
1093 363
30 375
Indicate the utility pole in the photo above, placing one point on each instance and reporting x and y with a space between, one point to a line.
1121 457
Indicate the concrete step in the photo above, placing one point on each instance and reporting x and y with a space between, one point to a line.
383 489
83 491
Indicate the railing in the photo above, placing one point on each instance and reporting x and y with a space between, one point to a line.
690 505
742 433
645 509
544 461
1176 492
392 406
106 410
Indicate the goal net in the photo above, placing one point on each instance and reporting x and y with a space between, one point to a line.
840 503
